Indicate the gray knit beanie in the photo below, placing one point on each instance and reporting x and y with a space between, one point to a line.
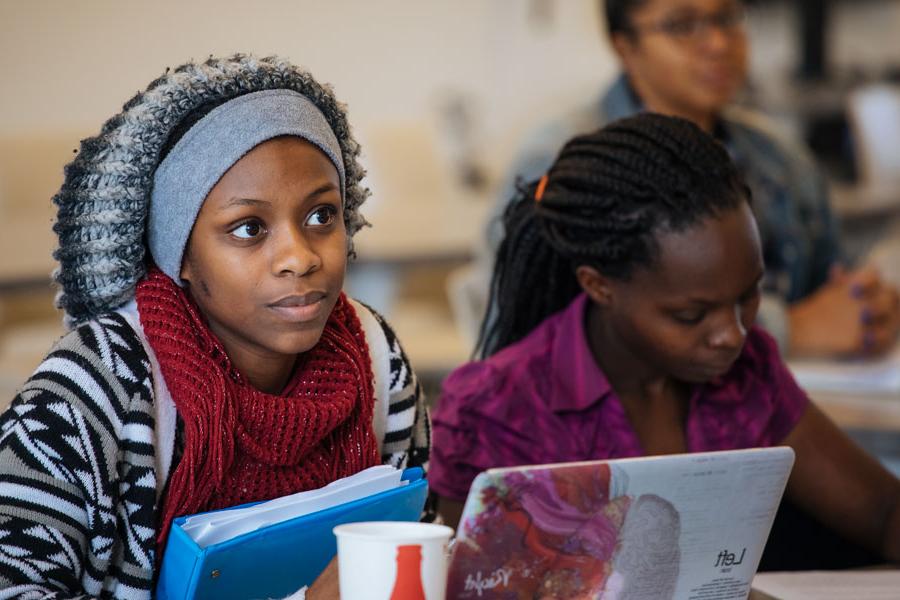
103 203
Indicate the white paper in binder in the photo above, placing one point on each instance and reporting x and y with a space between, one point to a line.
216 527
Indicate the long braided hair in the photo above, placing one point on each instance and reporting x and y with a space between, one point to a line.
602 204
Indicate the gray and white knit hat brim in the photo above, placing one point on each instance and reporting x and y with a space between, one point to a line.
103 202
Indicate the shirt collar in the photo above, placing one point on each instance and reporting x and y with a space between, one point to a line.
731 129
620 100
748 147
579 382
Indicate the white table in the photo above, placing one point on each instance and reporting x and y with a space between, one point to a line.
860 584
872 412
862 201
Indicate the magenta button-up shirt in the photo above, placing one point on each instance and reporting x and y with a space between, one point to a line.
545 400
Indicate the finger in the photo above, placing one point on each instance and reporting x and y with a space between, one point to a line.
881 305
878 340
864 282
837 272
893 324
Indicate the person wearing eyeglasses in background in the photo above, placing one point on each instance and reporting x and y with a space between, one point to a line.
688 58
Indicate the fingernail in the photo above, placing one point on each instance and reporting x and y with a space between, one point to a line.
865 316
856 290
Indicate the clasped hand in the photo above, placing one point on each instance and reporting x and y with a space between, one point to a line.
854 313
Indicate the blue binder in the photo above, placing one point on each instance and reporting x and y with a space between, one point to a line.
275 561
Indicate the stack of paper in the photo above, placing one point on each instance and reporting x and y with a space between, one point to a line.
216 527
872 375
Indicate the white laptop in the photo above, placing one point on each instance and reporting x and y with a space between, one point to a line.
687 526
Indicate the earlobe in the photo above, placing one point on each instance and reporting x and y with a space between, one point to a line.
595 284
621 44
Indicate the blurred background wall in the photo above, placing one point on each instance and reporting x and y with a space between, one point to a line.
68 66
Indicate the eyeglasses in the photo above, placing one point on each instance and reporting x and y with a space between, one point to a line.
694 28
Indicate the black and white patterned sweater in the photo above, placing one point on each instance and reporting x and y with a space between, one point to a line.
86 448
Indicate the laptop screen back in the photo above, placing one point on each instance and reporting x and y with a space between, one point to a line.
689 526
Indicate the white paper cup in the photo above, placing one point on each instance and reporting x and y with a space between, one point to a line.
386 560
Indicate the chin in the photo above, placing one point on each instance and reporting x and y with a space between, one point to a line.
295 344
708 374
695 378
700 374
713 103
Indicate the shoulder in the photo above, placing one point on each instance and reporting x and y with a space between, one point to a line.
107 343
764 137
492 413
386 352
91 393
465 386
373 323
486 390
100 367
542 143
80 434
578 119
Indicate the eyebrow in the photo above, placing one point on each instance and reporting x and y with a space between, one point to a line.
322 189
754 285
232 202
744 294
238 201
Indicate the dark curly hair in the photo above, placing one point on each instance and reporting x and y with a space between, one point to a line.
606 198
618 14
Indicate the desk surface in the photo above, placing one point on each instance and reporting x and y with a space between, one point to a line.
878 412
856 394
878 583
862 201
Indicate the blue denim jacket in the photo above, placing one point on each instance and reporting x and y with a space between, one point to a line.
790 196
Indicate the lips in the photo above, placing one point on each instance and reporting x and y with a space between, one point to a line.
300 308
718 79
720 368
709 370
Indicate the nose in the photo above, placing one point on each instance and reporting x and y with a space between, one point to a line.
292 254
730 333
717 39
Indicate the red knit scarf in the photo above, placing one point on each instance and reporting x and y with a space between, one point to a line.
241 444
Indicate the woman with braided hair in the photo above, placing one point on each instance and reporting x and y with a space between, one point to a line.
689 58
624 297
213 358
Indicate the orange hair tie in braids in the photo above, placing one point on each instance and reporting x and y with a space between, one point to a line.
541 186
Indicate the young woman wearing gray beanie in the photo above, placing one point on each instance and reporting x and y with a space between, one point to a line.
213 359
